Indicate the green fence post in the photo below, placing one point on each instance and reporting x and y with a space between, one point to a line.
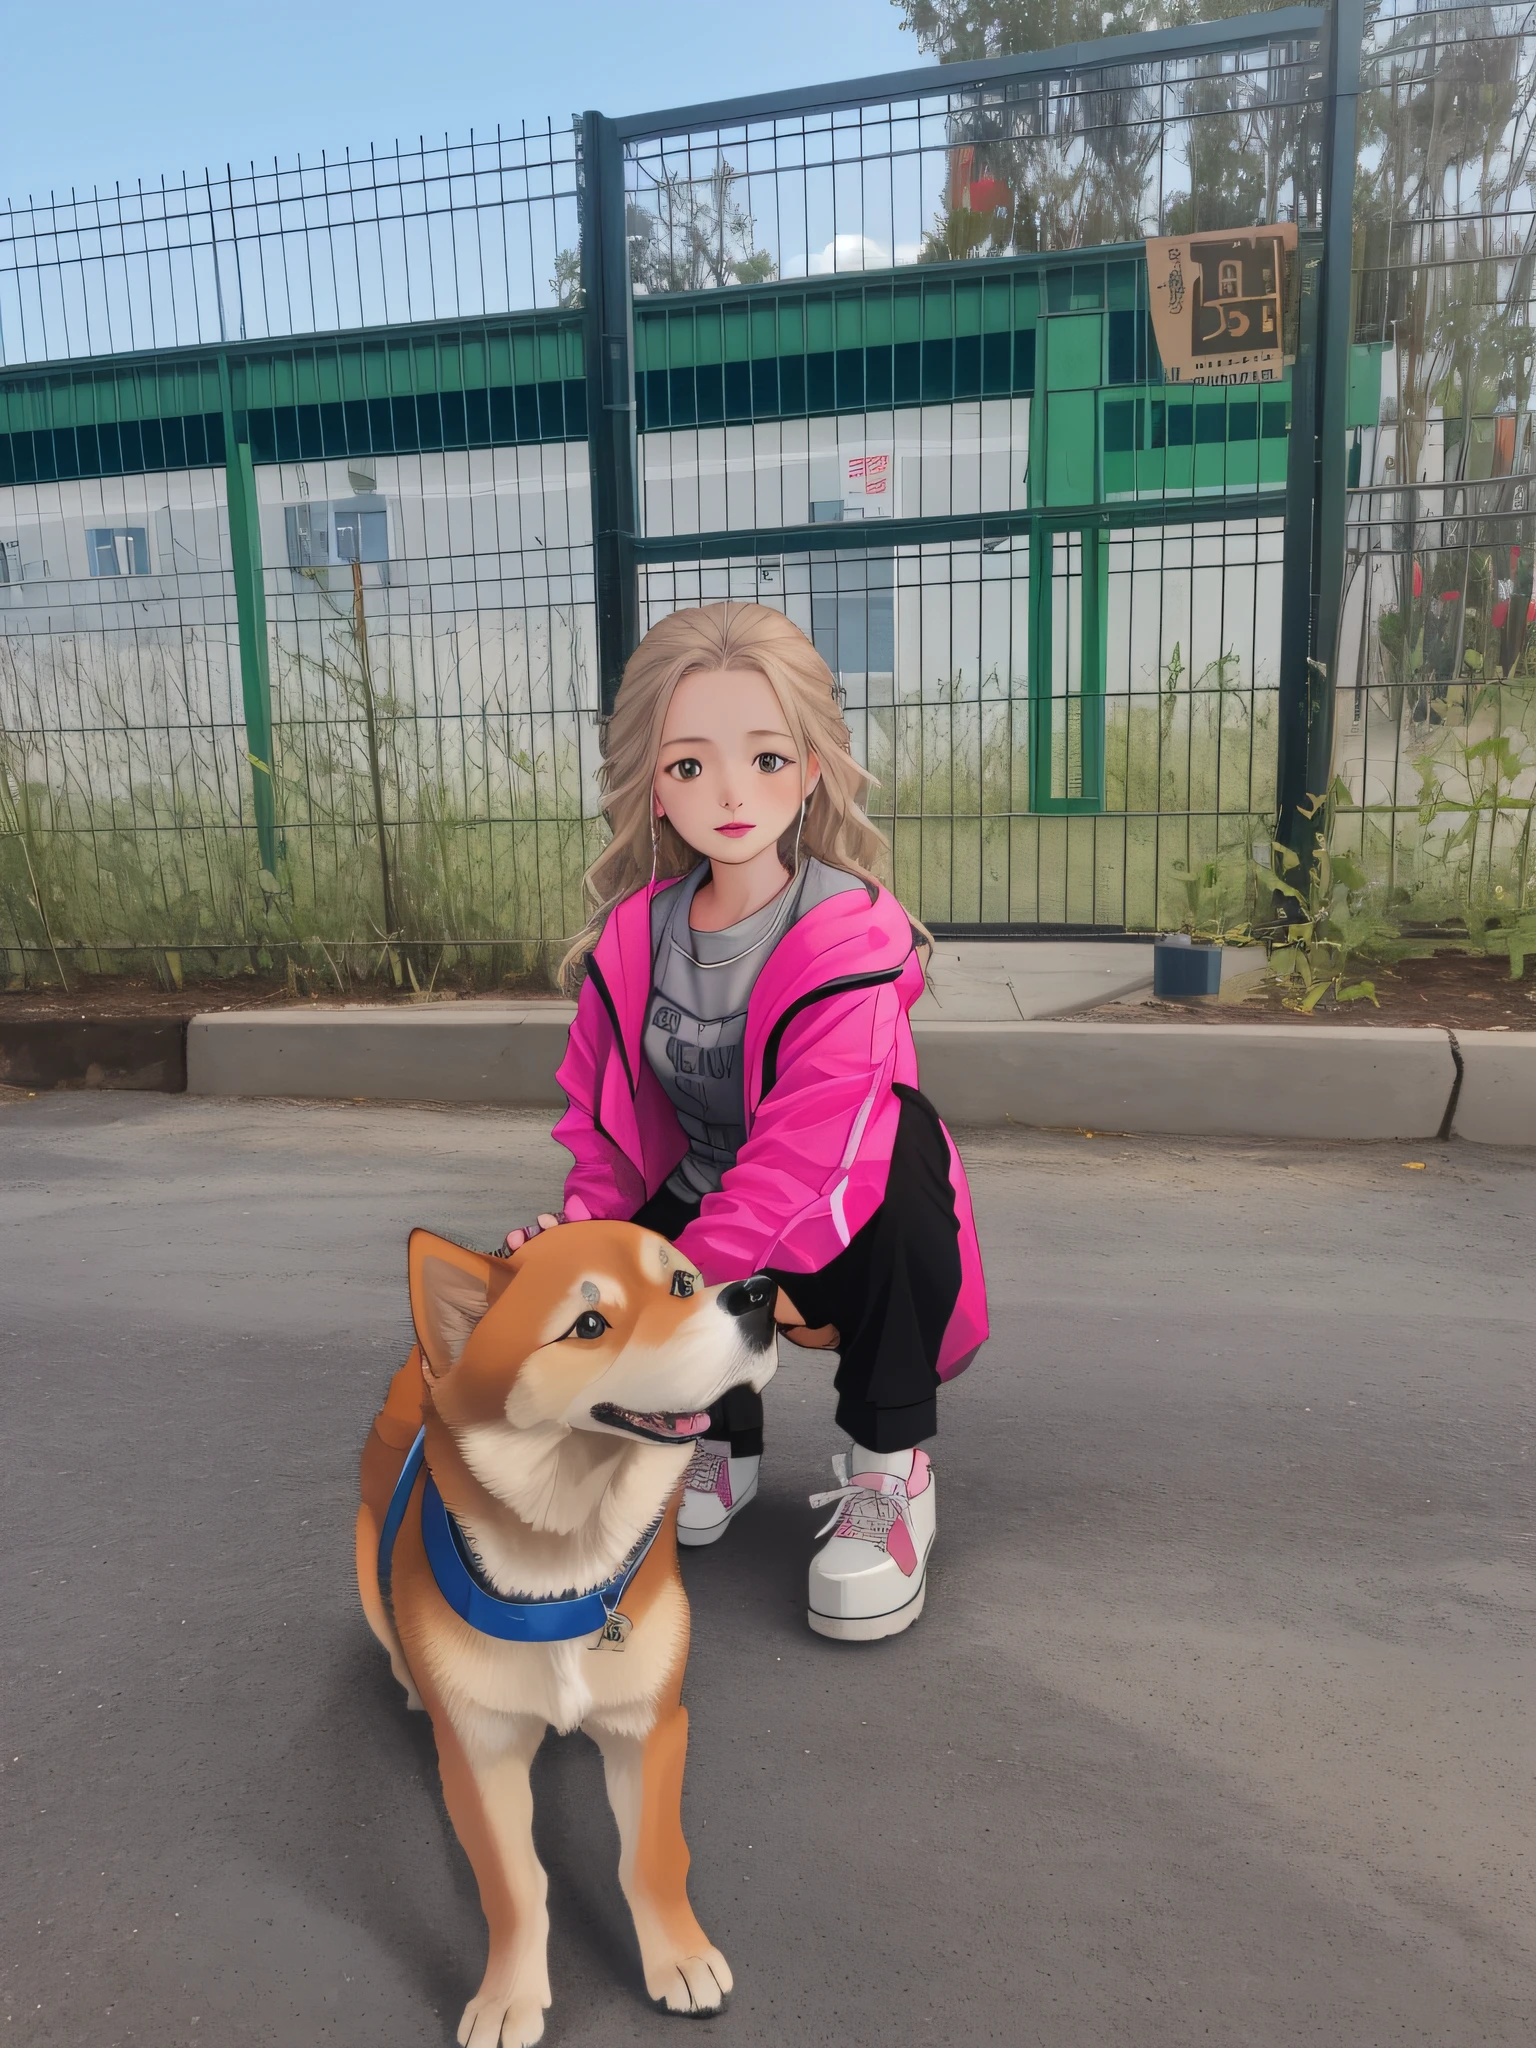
1095 661
1316 479
1335 327
251 612
1039 658
1298 567
610 398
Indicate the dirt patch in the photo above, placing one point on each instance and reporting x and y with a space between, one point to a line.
109 995
146 1053
1455 991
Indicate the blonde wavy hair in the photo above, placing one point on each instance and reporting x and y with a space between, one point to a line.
721 636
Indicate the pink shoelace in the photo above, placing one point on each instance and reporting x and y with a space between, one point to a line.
709 1472
873 1507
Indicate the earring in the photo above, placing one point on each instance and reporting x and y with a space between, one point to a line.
798 830
655 844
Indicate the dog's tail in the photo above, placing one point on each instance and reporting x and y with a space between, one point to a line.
393 1432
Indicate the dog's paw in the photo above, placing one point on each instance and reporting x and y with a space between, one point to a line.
695 1984
502 2019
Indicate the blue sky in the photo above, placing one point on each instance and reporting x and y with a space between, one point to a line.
106 92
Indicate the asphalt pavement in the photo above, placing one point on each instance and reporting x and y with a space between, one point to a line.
1216 1728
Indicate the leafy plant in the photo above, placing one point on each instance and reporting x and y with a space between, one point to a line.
1204 889
1516 941
1315 942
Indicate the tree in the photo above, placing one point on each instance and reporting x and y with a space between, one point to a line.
566 283
1083 168
958 31
1227 176
689 234
1447 262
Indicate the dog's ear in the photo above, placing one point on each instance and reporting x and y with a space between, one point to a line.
451 1289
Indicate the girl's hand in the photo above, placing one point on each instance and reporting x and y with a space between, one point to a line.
793 1325
516 1239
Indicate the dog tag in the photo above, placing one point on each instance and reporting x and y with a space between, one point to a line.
615 1633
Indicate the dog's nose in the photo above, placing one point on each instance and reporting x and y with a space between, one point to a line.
751 1302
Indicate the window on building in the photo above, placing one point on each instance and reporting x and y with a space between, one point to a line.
10 561
362 533
322 535
118 550
309 535
854 631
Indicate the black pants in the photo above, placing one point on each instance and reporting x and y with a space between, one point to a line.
890 1292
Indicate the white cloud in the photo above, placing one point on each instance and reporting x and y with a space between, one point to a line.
847 253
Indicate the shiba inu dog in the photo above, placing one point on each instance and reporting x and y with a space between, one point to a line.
517 1558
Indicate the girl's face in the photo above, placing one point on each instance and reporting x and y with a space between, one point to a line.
728 776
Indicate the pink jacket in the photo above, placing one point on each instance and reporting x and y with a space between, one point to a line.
827 1042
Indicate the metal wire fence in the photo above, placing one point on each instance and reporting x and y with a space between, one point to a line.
1073 720
1436 681
1069 158
431 233
931 645
441 723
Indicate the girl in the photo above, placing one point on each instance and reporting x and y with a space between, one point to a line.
742 1079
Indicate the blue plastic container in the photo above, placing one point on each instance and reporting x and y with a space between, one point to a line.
1181 971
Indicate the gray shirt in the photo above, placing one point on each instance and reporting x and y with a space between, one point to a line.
700 986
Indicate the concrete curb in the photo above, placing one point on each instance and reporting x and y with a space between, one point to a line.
1259 1081
147 1053
1497 1103
485 1052
1253 1081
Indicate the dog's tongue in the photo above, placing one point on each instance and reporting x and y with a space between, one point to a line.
673 1425
679 1425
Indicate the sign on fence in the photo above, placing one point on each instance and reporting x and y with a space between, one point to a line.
1218 304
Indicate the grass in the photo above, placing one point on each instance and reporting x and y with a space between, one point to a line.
1450 835
126 840
129 844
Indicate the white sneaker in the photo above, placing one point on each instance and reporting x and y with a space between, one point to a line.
868 1579
715 1491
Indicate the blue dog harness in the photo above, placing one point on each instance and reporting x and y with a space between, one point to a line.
464 1586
